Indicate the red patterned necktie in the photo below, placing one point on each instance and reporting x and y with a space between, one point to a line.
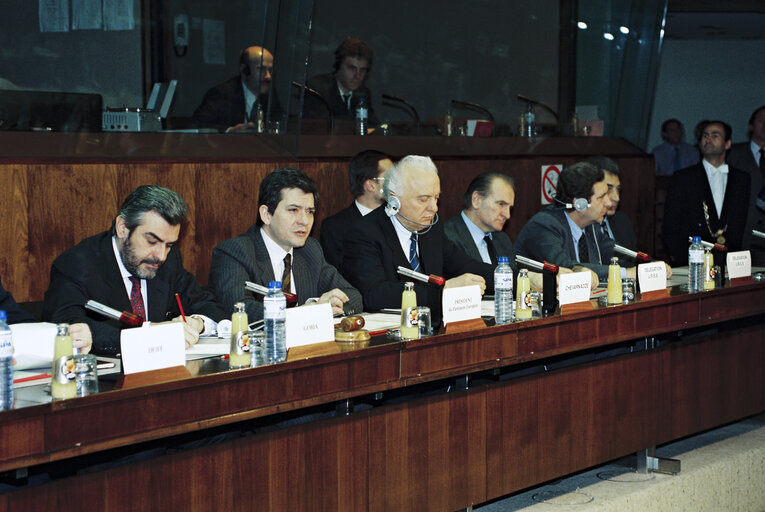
136 299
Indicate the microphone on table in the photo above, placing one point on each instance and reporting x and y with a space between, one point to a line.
123 316
262 290
317 94
526 99
549 282
719 247
408 105
437 280
640 256
758 234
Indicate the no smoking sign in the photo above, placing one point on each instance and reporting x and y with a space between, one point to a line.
550 175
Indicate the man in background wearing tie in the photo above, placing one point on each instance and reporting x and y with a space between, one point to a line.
709 199
366 173
478 228
232 106
616 225
674 153
343 88
277 248
407 233
750 157
136 266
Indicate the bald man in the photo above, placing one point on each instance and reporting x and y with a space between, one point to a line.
232 105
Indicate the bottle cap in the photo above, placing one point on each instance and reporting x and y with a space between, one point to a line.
409 285
3 315
696 239
523 273
274 284
239 306
614 261
503 259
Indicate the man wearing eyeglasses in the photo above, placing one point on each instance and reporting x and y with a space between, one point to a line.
366 174
232 106
709 199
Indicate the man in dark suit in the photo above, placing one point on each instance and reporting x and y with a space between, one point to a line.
477 230
407 233
616 225
136 267
750 158
232 106
278 248
709 199
345 86
366 174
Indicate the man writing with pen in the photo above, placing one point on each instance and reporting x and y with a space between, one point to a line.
277 248
134 267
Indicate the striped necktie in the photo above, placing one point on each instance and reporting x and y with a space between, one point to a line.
414 261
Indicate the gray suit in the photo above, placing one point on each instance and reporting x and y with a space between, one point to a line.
740 156
547 237
457 231
245 258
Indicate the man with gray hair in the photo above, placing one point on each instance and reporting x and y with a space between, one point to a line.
136 267
406 232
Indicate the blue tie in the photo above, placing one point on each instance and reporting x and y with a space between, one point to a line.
414 261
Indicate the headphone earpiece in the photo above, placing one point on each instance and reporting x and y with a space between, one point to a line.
580 204
393 206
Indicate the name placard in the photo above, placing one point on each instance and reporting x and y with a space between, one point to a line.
152 347
574 287
461 303
652 276
309 324
739 264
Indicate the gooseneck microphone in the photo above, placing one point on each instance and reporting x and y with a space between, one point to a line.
317 94
408 105
473 106
526 99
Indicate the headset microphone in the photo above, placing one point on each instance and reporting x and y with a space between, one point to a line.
393 206
580 204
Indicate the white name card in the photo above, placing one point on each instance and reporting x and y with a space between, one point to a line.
739 264
152 347
574 287
461 303
652 276
309 324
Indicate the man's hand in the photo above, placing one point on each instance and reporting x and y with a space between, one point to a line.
335 298
669 270
466 280
82 339
191 329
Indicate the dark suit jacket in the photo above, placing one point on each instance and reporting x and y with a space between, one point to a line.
547 237
16 315
624 235
740 156
684 212
457 231
326 85
245 258
333 230
223 106
90 271
373 255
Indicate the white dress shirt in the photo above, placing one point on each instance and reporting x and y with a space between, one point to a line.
276 254
718 180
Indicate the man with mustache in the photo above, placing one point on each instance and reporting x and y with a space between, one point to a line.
134 267
343 88
406 232
277 248
232 106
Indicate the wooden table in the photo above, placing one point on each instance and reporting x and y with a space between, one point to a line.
437 451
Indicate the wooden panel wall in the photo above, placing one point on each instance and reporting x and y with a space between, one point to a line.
49 207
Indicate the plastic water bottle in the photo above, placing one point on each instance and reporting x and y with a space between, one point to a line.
695 265
503 292
362 114
529 124
274 313
6 362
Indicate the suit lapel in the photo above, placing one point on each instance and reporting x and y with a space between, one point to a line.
262 259
118 296
467 240
391 238
159 292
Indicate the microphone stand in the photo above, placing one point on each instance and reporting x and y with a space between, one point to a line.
316 93
404 102
526 99
549 281
473 106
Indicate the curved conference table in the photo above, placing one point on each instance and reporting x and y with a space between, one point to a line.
687 362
